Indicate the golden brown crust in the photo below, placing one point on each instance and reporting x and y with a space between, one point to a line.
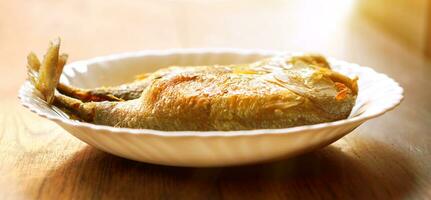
241 97
279 92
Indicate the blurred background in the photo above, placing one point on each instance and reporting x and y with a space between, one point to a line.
386 158
355 30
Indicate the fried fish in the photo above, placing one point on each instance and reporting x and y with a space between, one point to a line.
278 92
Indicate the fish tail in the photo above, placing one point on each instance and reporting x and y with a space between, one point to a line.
45 75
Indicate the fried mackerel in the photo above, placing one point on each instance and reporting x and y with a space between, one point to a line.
279 92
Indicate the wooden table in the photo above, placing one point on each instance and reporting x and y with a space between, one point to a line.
386 158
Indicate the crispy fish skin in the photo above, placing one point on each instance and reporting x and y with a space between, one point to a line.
279 92
222 98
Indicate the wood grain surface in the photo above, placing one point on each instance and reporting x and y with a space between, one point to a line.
386 158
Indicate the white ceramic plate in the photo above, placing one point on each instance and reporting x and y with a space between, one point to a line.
377 94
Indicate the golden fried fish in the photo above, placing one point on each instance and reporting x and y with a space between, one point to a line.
278 92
